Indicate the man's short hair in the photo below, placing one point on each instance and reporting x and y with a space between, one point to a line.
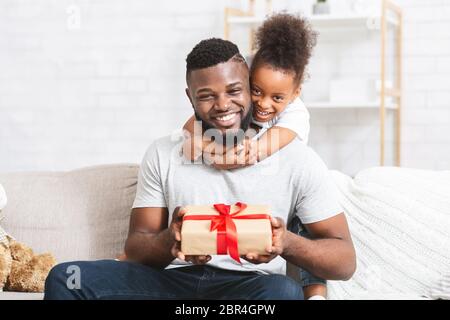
211 52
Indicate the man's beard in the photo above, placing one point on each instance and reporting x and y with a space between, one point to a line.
231 136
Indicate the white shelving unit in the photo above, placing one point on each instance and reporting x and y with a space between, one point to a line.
323 21
390 99
349 105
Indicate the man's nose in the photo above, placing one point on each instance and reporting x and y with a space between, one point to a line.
222 104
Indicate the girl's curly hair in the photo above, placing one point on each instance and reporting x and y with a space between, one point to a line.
285 41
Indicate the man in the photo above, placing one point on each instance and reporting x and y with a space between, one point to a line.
218 88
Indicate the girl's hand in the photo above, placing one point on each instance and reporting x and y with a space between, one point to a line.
240 156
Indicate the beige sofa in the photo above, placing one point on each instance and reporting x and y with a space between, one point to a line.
76 215
399 219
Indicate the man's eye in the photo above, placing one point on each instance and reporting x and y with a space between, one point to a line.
235 91
207 97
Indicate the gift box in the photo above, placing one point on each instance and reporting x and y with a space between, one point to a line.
226 229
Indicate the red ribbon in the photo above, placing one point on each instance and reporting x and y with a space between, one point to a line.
226 228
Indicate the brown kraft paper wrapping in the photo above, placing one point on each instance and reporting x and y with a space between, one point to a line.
254 235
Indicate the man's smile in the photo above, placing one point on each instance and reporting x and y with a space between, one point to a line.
227 120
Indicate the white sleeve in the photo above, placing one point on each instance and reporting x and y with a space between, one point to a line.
296 118
319 195
149 191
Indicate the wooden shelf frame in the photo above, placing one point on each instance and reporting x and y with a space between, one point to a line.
395 93
233 13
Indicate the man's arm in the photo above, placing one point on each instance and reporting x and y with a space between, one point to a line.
330 255
149 240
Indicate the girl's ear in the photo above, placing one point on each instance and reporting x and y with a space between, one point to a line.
297 93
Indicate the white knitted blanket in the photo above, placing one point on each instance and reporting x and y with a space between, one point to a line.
400 224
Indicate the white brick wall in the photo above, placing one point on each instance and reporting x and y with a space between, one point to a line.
99 87
426 115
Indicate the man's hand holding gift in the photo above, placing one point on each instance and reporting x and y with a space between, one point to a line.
278 241
175 230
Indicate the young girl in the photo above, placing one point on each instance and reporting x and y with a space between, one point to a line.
284 44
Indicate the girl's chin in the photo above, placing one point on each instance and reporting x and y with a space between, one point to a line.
259 118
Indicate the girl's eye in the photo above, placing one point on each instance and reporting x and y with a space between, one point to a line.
278 99
256 92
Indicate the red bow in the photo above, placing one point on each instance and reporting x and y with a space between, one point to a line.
226 229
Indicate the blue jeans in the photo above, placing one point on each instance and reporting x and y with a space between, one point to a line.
306 278
110 279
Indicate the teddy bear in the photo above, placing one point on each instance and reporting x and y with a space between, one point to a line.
20 269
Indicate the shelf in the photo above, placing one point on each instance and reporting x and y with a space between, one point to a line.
325 20
246 20
330 21
342 21
350 105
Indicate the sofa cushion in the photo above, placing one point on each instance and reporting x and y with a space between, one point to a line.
76 215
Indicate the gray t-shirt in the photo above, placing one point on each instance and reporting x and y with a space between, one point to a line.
293 181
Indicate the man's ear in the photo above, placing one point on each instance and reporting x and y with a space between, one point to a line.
189 97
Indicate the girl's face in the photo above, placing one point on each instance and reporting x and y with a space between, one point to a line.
272 90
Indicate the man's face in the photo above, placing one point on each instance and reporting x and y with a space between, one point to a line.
220 95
